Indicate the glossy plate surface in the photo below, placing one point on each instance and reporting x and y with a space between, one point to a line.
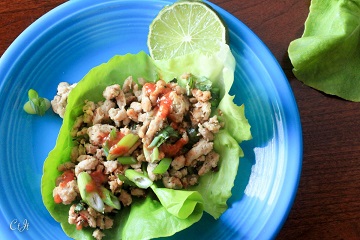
67 42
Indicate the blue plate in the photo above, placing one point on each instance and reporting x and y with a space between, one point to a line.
67 42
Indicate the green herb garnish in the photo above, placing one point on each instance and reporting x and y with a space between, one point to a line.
36 105
163 135
163 166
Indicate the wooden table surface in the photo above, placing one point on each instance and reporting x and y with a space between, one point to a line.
327 205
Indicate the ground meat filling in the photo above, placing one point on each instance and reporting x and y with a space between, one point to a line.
159 121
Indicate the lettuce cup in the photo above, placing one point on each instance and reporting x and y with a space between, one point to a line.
146 146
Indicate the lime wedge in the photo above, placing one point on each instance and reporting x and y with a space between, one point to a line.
184 27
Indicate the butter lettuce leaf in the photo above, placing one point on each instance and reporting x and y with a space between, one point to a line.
149 219
180 203
116 70
215 187
327 56
180 208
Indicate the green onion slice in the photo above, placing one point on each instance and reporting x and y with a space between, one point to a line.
92 199
113 134
125 180
163 166
80 207
215 97
36 104
162 136
138 178
203 84
127 160
154 156
110 199
127 142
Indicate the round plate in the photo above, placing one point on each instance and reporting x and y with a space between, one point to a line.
67 42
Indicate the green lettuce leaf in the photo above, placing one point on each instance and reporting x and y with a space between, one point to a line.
90 87
215 188
233 115
149 219
180 208
327 56
180 203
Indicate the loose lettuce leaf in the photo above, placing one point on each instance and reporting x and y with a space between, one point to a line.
327 56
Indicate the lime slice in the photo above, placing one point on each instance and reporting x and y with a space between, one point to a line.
184 27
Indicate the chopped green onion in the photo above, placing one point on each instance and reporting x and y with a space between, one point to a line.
125 180
36 104
106 148
163 166
147 152
138 178
32 94
80 207
162 136
110 199
190 84
127 160
193 135
113 134
215 97
127 142
92 199
28 108
144 168
154 156
203 84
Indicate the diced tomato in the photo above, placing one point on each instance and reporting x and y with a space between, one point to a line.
165 105
91 187
66 177
174 125
98 178
119 150
57 199
103 137
150 87
111 141
79 225
171 150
